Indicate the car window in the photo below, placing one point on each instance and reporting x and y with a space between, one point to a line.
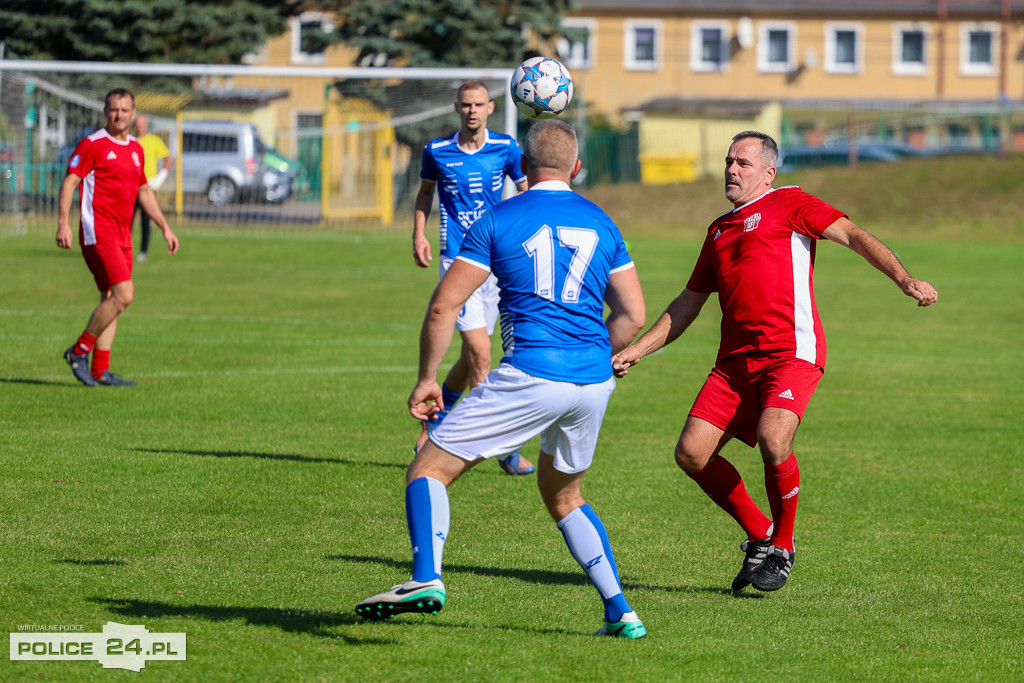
208 142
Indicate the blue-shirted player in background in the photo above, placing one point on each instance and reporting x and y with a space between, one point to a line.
468 169
558 259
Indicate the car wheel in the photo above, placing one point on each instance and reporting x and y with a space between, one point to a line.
276 193
221 191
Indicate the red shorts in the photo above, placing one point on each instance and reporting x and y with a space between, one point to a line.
740 387
109 263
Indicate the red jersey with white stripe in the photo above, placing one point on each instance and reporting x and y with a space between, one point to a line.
112 173
759 257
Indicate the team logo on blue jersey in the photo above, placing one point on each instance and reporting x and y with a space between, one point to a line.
75 160
468 218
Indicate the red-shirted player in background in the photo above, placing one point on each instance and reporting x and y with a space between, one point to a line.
109 166
759 257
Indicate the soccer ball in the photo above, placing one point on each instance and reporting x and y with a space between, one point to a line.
541 88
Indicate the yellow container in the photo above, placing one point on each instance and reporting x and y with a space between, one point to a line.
658 168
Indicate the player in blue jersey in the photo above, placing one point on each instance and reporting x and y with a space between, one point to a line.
468 169
558 259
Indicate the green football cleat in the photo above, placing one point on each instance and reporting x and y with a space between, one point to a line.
412 596
628 626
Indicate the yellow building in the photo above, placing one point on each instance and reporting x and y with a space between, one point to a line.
691 72
804 70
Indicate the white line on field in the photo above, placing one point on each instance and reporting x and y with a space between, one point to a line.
249 372
203 317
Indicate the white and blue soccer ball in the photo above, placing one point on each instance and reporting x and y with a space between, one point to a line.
541 88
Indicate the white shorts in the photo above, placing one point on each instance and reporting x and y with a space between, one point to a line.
510 407
481 309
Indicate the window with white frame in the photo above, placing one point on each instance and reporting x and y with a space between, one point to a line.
908 49
978 49
643 45
776 47
709 45
307 32
844 49
579 54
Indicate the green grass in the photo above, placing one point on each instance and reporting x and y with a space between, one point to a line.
250 490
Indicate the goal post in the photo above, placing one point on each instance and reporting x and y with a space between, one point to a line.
358 140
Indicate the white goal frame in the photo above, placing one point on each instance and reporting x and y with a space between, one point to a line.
324 72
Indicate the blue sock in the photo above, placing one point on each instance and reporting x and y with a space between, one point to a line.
427 514
588 542
449 397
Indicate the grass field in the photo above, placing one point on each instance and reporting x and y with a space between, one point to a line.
250 490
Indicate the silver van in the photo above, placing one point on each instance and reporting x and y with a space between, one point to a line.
224 161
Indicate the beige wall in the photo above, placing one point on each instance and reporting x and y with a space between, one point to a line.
705 140
611 87
305 95
264 118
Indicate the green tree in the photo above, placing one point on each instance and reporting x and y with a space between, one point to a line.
448 32
185 31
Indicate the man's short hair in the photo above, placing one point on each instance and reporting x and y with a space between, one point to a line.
769 148
551 144
118 93
473 84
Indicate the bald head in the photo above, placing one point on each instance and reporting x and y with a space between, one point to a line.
551 147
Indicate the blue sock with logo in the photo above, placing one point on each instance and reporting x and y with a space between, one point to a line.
588 542
427 514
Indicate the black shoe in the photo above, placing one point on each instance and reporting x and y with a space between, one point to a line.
79 363
773 572
109 379
755 551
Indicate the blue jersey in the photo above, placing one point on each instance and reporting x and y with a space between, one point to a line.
469 183
553 253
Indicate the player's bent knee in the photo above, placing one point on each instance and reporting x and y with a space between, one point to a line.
123 294
774 447
480 359
688 462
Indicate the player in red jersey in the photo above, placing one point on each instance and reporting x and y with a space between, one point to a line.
759 257
109 167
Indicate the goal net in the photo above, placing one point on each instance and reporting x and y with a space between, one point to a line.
273 145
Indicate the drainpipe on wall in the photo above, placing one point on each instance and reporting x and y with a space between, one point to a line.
940 69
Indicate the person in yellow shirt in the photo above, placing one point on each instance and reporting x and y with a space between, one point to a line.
158 166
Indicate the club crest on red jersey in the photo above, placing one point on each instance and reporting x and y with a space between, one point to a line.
750 222
135 158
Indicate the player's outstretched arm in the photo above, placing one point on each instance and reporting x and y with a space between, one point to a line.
67 195
147 198
672 323
846 233
420 244
451 293
627 311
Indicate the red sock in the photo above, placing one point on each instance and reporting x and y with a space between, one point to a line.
100 362
782 483
724 485
85 343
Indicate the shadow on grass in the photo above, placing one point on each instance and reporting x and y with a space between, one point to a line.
546 577
43 382
90 563
290 620
266 456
